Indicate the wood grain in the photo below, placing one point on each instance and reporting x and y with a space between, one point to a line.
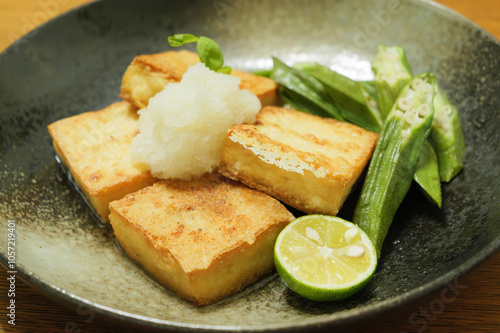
475 309
485 13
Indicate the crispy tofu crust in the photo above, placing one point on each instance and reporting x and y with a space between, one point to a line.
205 239
149 74
308 162
94 146
264 88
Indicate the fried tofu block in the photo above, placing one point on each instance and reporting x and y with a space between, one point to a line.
148 74
264 88
94 146
205 239
308 162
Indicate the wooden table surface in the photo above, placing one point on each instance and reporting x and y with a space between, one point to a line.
476 309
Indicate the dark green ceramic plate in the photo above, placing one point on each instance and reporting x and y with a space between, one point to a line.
74 64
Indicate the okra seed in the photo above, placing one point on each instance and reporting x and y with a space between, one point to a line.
403 104
399 114
447 110
426 88
423 110
417 83
405 134
411 116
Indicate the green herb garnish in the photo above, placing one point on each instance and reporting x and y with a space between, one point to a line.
208 51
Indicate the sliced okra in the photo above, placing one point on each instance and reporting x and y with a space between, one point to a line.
392 72
427 174
395 158
447 137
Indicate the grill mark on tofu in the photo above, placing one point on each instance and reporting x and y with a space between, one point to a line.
286 156
306 161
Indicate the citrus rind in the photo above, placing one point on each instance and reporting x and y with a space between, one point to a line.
324 291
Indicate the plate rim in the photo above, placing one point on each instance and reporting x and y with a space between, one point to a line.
340 318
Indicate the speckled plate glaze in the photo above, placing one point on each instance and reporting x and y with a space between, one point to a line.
74 64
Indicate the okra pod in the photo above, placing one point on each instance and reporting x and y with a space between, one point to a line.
306 86
351 97
295 101
354 102
427 173
306 67
392 73
395 158
447 137
371 89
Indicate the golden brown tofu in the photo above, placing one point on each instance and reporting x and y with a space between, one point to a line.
308 162
205 239
149 74
264 88
94 146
